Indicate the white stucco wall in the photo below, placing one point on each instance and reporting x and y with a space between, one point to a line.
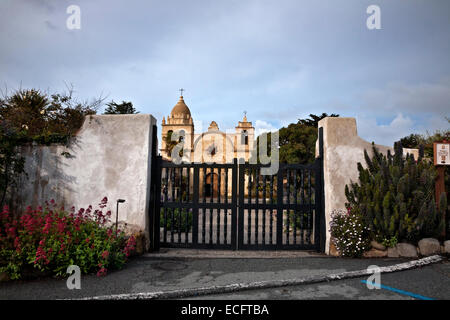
343 149
110 156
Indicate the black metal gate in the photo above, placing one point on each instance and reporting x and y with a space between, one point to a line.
281 211
233 206
194 213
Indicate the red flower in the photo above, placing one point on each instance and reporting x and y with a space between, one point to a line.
103 203
105 254
101 272
17 244
130 246
41 255
11 232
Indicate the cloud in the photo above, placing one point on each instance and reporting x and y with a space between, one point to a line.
262 126
385 134
424 97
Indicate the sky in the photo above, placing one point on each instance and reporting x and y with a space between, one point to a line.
279 60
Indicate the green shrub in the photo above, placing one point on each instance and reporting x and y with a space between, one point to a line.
180 221
390 243
45 118
299 221
395 197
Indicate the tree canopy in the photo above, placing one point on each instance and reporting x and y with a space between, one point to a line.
313 120
45 118
425 141
120 108
297 141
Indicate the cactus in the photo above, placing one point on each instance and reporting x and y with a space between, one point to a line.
395 196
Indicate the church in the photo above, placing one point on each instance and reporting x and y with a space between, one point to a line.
211 146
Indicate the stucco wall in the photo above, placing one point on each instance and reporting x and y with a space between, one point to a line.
110 156
343 149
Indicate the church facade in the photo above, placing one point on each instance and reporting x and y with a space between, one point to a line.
211 146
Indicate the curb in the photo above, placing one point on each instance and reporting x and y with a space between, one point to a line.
222 254
235 287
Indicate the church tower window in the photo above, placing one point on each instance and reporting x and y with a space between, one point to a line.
244 137
182 134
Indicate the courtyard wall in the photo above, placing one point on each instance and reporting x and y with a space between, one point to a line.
109 156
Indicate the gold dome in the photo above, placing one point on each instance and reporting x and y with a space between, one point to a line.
180 108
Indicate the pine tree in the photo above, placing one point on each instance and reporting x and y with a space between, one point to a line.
120 108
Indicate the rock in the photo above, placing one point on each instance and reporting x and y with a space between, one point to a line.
392 252
375 253
333 250
377 245
447 247
4 276
140 243
429 246
406 250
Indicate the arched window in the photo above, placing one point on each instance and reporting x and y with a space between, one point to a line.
244 137
169 135
181 136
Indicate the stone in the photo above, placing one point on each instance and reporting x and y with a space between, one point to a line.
375 253
140 243
377 245
392 252
406 250
429 246
447 247
333 250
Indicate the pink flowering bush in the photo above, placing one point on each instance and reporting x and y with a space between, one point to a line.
50 239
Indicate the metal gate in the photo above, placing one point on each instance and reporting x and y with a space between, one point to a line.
194 213
233 206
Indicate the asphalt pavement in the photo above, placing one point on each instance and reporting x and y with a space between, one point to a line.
159 272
